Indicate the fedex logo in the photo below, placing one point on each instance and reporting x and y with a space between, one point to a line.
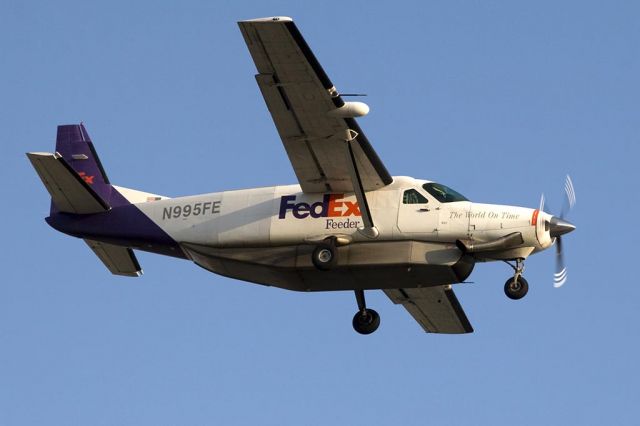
332 205
85 177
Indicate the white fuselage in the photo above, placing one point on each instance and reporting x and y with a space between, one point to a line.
284 215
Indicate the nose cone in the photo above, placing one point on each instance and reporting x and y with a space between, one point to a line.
559 227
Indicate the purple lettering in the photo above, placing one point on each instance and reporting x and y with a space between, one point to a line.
319 209
285 205
301 210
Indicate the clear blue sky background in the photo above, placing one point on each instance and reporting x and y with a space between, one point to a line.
497 99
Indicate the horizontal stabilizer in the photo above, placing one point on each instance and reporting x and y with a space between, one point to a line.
119 260
69 191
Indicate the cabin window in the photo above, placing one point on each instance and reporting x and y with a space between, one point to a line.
411 196
442 193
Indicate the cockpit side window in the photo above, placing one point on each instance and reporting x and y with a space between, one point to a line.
411 196
443 193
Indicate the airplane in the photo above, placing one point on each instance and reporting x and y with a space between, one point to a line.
346 225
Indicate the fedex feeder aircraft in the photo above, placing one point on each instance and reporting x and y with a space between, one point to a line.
347 225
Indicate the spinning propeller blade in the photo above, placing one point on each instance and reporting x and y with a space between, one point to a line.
559 227
570 200
560 276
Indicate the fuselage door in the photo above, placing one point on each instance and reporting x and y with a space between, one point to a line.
415 214
453 213
454 220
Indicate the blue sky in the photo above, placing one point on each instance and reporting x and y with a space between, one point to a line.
496 99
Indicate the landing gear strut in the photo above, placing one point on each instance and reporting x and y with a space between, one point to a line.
516 287
365 321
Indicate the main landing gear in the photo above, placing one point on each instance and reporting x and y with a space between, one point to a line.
324 257
365 321
516 287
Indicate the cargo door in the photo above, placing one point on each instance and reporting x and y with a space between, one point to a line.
416 215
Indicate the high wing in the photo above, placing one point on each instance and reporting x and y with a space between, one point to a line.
436 309
303 104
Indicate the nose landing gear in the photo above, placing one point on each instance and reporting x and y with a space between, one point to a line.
365 321
516 287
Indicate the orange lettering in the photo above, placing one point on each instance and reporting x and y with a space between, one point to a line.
333 205
352 209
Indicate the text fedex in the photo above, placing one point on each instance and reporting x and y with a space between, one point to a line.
332 205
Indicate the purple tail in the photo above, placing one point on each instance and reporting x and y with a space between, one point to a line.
74 145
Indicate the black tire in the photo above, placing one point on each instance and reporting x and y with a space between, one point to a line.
324 257
516 290
366 323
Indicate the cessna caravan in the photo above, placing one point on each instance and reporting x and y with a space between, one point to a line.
346 225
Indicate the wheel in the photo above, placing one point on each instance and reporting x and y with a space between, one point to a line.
516 289
366 323
324 257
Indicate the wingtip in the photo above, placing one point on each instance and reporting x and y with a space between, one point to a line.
270 19
133 274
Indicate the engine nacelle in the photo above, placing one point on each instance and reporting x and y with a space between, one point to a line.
350 110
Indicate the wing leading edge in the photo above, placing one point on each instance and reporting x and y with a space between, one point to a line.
436 309
302 99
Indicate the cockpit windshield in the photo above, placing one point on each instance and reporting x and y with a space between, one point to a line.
443 193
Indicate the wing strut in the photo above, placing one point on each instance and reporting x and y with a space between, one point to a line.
368 230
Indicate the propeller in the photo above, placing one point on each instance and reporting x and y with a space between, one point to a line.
560 276
558 227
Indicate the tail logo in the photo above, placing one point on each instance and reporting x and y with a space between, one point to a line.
85 177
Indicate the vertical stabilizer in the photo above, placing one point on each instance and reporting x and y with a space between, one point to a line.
74 145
